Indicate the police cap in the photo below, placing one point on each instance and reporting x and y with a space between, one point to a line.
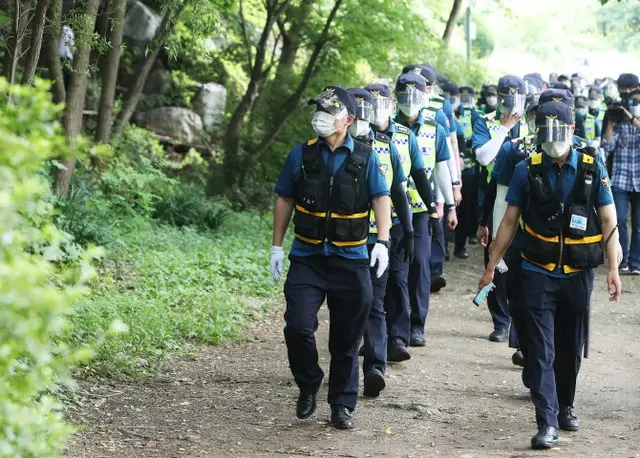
510 84
554 110
379 90
427 73
557 95
467 90
333 99
628 81
410 80
451 88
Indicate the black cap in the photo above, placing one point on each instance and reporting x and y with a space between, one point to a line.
410 80
535 79
557 95
467 90
427 73
563 77
343 96
451 88
360 93
559 85
490 89
509 84
595 91
537 76
628 81
442 80
554 110
581 101
379 90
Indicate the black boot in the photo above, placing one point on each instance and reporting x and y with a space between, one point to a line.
341 417
546 438
567 419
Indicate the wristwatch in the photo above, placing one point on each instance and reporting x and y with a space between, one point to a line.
386 243
455 183
450 206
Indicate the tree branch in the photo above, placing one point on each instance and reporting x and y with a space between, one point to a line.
451 22
36 42
245 35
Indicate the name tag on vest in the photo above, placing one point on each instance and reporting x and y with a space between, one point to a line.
578 222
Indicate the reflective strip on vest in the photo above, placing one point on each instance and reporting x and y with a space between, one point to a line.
465 122
590 128
383 150
427 145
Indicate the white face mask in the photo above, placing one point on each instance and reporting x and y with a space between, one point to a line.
556 149
492 100
409 110
323 124
380 117
455 104
582 111
593 104
359 128
635 111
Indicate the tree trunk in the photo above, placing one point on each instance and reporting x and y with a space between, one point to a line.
37 32
142 72
52 51
14 47
451 23
72 119
110 74
232 134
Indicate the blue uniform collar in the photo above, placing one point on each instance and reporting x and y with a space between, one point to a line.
392 127
572 162
348 143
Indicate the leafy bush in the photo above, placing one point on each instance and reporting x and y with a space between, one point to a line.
189 206
33 314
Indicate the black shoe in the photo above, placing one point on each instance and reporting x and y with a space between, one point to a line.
624 267
397 352
341 417
306 404
567 419
546 438
417 339
499 335
518 358
437 283
361 351
461 253
373 384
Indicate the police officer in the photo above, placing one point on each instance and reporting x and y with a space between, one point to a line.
397 303
492 133
565 202
411 92
333 182
466 115
375 332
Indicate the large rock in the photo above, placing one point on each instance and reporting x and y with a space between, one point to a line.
210 104
178 123
158 80
141 23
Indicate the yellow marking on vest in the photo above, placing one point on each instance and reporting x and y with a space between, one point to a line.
307 212
307 240
587 159
555 239
536 159
347 244
354 216
312 141
584 240
550 267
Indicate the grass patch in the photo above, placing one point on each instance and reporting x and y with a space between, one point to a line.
173 287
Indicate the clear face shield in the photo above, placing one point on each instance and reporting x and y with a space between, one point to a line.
467 100
330 102
553 131
382 109
512 103
364 110
411 100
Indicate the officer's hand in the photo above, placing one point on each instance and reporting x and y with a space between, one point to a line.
486 278
510 120
482 235
614 285
457 195
434 224
452 218
408 245
627 113
380 256
276 263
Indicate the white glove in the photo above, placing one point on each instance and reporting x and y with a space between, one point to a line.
276 263
380 255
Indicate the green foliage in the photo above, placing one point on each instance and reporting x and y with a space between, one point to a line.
189 206
35 298
174 288
620 23
180 92
484 43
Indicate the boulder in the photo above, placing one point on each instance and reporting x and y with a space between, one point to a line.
209 103
158 80
141 23
177 123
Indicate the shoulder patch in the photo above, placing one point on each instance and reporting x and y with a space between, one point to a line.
402 129
312 141
382 137
587 159
384 169
605 182
536 159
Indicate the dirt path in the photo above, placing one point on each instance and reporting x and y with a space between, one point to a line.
458 397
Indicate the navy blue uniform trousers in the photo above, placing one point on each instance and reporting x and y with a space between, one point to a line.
553 314
438 250
346 284
396 300
420 271
514 295
375 331
497 299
